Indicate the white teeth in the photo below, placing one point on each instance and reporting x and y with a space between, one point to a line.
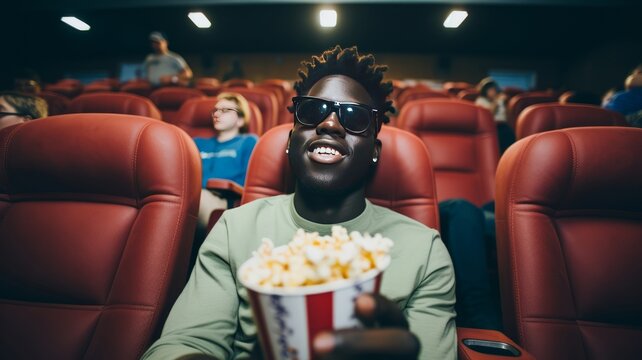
325 150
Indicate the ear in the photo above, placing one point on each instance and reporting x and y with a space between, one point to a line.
377 149
240 122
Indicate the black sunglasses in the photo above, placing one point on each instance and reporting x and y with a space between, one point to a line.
4 113
354 117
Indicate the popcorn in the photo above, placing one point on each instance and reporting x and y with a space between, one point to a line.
311 259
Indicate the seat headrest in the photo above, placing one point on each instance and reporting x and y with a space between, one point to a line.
445 115
109 157
117 103
546 117
586 168
174 97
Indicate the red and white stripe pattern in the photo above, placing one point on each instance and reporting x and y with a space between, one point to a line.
287 324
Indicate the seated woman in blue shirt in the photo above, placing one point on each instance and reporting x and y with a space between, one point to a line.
226 155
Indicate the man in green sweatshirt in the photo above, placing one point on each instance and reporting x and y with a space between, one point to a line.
333 150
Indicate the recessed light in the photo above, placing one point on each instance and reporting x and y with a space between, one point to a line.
200 20
328 18
455 18
75 23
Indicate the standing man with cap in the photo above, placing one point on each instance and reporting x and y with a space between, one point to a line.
165 67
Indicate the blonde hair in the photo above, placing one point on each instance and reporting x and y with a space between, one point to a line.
242 103
25 104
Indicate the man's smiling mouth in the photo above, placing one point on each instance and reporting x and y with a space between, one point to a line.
325 154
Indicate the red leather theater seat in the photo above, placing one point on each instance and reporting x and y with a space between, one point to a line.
462 141
417 93
138 87
265 100
454 87
569 241
97 216
519 102
546 117
114 103
56 104
169 100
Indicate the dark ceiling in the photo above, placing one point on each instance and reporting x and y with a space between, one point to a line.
493 28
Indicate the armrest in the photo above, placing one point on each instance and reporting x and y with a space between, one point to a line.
481 344
226 188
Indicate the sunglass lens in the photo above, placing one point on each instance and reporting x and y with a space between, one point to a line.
311 112
355 118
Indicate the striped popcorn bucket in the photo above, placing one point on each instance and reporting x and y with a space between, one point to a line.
288 319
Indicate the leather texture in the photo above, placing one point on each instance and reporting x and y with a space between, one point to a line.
169 100
195 118
137 87
569 240
114 103
56 104
265 100
521 101
466 353
417 93
245 83
462 140
546 117
454 87
403 180
468 94
97 217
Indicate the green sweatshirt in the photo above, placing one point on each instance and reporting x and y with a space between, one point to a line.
213 316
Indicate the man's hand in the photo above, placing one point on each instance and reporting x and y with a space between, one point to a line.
386 335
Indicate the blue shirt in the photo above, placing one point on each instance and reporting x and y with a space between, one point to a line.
227 159
626 102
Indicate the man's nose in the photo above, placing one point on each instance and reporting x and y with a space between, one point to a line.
331 125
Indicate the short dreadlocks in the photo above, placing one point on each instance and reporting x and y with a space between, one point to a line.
348 62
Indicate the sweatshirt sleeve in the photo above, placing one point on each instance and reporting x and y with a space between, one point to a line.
204 318
431 308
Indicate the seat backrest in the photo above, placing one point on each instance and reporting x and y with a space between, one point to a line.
419 93
403 181
56 104
69 88
569 240
454 87
468 94
546 117
462 140
236 82
114 103
265 100
97 216
208 85
195 118
170 99
519 102
138 87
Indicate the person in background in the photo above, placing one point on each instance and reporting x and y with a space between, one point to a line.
16 108
629 101
226 155
333 151
492 98
165 67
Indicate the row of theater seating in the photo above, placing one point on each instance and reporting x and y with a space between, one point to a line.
568 225
461 136
272 96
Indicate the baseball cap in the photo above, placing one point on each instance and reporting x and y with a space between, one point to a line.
157 36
